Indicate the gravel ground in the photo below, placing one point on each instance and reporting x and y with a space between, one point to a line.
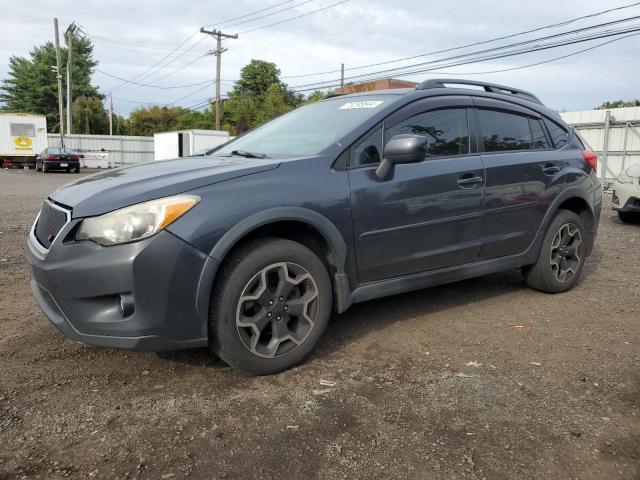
479 379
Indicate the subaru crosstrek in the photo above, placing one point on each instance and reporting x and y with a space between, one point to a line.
250 250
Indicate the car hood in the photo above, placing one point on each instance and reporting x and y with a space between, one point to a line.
112 189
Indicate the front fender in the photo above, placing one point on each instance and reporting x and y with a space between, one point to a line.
337 255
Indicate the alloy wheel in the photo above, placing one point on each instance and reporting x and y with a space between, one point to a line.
277 310
565 254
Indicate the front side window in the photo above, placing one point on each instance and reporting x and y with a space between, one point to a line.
501 131
368 151
445 132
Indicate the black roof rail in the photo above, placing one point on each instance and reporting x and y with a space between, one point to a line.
488 87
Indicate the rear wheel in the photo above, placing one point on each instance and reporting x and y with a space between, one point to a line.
271 305
44 168
629 217
76 170
562 255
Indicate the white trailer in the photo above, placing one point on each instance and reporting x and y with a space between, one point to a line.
22 137
182 143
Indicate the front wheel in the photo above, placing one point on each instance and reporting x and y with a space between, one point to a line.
271 305
562 255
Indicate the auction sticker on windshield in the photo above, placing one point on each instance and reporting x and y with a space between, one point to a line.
362 104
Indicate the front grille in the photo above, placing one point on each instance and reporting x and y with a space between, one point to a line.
50 222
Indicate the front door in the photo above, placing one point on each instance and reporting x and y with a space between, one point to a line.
427 215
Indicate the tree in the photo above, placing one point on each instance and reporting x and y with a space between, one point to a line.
32 86
619 104
256 77
147 121
88 116
190 119
120 125
257 97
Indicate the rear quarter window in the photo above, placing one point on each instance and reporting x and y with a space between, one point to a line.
559 135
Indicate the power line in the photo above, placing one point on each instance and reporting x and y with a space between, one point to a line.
294 18
482 59
151 85
268 14
249 14
474 44
562 57
398 70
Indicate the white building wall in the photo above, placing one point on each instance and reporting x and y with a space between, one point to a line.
121 149
623 149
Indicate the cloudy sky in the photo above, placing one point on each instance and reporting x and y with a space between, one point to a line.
131 37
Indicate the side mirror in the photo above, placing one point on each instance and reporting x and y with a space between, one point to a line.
401 149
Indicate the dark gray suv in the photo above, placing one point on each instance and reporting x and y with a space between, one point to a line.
250 250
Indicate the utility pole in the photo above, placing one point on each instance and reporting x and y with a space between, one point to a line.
69 34
218 35
342 74
111 114
59 76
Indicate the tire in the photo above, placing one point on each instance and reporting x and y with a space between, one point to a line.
629 217
76 170
546 274
38 168
240 306
44 168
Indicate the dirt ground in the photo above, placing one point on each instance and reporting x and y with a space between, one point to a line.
479 379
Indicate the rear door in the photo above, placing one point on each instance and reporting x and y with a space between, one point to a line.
429 214
523 175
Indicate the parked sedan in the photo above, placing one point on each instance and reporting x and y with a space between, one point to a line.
626 194
55 158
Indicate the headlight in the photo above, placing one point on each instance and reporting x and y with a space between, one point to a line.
624 177
135 222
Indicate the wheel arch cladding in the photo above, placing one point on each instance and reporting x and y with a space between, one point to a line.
575 200
294 223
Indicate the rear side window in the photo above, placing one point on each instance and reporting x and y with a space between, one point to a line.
501 131
445 132
559 136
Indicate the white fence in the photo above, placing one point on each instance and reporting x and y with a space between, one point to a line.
119 149
613 134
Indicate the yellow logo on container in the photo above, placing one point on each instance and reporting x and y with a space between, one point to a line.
23 143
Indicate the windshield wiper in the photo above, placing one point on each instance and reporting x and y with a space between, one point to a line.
244 153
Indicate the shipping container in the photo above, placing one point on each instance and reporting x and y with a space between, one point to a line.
183 143
22 137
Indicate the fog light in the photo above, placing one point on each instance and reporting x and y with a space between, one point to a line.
126 307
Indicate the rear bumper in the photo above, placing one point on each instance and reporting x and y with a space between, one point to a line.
626 197
57 165
139 296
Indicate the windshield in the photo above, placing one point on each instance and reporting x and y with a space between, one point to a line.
309 130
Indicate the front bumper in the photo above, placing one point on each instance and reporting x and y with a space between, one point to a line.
82 287
625 198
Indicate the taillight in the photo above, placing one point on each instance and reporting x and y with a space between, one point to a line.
591 158
50 157
74 157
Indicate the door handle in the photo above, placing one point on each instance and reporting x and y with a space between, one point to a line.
468 180
550 168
